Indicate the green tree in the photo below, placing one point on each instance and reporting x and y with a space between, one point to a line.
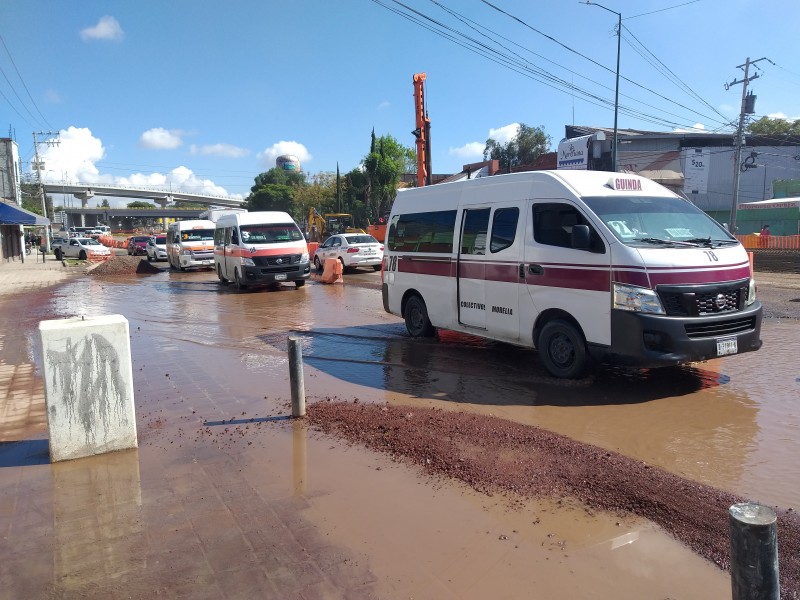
767 126
138 204
387 160
523 149
32 199
105 204
272 196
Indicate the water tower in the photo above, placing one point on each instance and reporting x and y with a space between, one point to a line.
288 162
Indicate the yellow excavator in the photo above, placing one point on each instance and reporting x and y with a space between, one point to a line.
329 224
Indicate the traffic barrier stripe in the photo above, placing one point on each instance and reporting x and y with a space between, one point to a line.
778 242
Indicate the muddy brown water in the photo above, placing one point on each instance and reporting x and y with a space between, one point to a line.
207 360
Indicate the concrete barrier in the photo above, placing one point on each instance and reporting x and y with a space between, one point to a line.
333 270
88 386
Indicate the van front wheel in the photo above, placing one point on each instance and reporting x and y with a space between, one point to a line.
416 315
237 280
563 350
222 279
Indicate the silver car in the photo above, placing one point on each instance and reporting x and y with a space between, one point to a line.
352 249
157 248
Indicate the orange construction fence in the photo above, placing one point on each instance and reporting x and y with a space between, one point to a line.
778 242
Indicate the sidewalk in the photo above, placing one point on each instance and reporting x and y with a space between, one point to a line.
18 277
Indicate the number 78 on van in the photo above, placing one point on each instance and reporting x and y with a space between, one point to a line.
585 266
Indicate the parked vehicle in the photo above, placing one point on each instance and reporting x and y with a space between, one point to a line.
581 265
190 244
137 245
83 248
253 248
157 248
352 250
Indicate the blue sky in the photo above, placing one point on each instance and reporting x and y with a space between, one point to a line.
202 96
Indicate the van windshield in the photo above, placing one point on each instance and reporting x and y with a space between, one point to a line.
197 235
642 221
276 233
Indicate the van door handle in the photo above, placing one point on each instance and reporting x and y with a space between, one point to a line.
536 269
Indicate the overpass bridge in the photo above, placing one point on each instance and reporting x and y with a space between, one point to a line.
86 191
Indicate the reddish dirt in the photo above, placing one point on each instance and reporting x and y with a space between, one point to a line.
124 265
493 455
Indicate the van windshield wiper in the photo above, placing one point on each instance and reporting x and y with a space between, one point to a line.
653 240
709 242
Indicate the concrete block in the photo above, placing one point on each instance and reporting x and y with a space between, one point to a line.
88 386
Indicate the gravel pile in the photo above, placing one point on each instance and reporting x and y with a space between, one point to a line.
493 455
123 265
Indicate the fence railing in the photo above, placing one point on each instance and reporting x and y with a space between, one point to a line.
778 242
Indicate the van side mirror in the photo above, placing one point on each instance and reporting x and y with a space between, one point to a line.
581 239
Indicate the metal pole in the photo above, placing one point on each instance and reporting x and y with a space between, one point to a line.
737 155
754 552
616 92
296 378
616 95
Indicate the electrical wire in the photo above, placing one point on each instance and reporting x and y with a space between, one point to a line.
23 84
652 12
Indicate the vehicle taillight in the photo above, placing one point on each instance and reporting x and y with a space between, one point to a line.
381 248
352 250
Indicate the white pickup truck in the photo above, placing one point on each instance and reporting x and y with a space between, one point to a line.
82 248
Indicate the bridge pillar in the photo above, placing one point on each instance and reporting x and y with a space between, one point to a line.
163 203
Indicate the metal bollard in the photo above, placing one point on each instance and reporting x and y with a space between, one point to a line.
754 552
296 378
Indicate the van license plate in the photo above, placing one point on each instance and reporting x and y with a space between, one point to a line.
726 346
282 276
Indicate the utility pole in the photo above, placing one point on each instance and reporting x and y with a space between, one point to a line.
739 141
616 92
38 166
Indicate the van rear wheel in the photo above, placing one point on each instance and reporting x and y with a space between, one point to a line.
563 350
416 315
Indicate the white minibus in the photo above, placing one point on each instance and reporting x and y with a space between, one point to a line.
253 248
190 244
582 265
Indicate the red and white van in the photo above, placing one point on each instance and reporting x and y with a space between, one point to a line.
578 264
256 248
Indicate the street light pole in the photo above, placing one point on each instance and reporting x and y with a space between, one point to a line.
616 93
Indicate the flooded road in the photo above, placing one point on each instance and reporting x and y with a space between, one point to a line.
210 370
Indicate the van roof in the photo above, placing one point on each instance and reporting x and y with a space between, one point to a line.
532 184
192 224
254 218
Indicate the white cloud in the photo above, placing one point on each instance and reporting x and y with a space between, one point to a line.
159 138
504 134
468 151
107 28
268 155
777 115
384 105
224 150
696 128
73 161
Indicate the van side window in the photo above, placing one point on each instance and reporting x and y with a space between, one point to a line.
504 228
219 237
234 236
552 226
476 227
422 232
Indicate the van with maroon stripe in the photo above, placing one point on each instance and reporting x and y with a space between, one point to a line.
581 265
257 248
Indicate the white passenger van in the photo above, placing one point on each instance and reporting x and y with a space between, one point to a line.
252 248
190 244
578 264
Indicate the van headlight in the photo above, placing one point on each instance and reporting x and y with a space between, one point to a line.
751 292
248 262
304 257
636 299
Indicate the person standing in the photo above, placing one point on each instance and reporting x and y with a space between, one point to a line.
765 233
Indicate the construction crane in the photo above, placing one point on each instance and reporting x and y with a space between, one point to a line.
422 132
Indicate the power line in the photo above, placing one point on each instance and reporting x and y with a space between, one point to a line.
519 65
652 12
23 83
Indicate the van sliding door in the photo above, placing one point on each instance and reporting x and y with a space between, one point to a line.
471 272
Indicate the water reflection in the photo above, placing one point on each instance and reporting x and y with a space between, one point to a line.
98 520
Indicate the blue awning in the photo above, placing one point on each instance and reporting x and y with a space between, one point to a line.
14 215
